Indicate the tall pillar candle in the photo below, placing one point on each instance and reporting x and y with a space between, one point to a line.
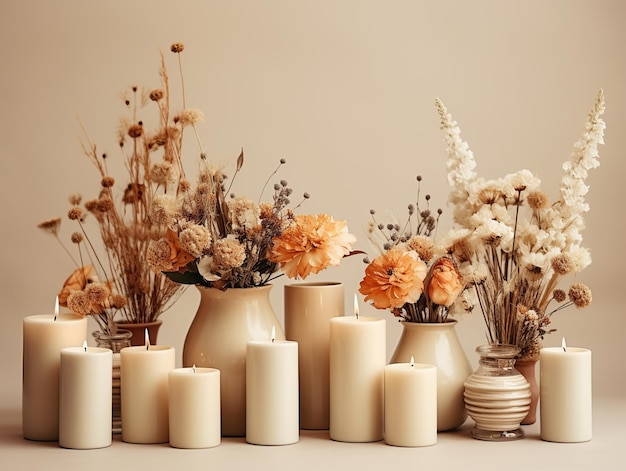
272 392
308 310
194 407
565 394
357 366
410 404
43 339
85 397
144 383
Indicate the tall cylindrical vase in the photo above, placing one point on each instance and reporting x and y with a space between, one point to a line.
308 310
217 338
438 344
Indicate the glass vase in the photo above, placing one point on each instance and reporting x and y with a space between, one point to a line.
497 396
121 339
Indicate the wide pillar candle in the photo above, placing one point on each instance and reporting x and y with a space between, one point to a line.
85 419
144 375
565 394
194 407
44 338
357 366
272 392
410 404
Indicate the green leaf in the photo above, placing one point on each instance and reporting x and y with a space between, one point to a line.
187 278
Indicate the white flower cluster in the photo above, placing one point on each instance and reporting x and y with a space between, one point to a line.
510 241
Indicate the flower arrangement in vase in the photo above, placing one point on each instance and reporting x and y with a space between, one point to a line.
131 291
232 247
412 278
515 246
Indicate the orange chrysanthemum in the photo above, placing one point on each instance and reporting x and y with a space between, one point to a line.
311 244
393 279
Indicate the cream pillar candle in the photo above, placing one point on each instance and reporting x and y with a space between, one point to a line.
565 394
272 392
85 397
410 404
144 375
357 366
194 407
43 339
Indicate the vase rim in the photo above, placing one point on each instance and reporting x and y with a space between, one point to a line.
498 350
154 322
447 323
261 287
314 284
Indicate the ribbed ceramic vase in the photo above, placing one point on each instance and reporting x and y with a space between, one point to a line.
115 342
497 396
308 310
438 344
224 323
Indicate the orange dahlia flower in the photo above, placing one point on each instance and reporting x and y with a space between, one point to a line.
311 244
393 279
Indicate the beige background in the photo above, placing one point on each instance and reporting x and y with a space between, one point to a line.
344 91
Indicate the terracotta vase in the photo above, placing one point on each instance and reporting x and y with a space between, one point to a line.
217 338
527 367
438 344
138 331
308 310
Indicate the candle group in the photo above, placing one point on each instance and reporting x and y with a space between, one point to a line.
85 417
565 394
44 336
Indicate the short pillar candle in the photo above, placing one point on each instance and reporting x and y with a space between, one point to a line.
85 419
410 404
565 394
194 407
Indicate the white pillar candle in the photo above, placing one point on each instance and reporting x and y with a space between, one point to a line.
272 392
410 404
565 394
44 337
85 397
357 368
144 375
194 407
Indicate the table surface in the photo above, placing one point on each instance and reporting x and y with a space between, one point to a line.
454 450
